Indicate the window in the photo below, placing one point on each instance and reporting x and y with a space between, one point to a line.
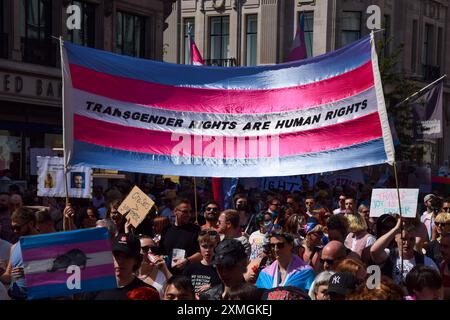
86 35
3 35
219 37
36 30
186 45
251 39
130 34
387 34
351 27
308 30
428 45
439 48
414 47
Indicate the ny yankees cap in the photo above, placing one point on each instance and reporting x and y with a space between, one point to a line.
342 283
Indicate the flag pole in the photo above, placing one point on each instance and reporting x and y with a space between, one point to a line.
421 90
195 201
400 211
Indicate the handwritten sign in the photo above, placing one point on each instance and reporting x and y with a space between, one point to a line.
386 201
136 206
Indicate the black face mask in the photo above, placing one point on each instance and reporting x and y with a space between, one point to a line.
241 207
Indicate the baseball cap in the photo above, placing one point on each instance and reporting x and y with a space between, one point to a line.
285 293
428 197
127 243
342 283
228 253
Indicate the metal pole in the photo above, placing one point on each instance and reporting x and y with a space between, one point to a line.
400 211
421 90
195 201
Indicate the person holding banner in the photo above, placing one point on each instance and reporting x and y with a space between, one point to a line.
127 256
24 224
391 259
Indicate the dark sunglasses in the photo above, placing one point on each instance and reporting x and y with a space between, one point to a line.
213 209
147 248
440 224
280 245
209 233
329 261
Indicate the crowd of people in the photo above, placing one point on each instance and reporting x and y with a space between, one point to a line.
313 244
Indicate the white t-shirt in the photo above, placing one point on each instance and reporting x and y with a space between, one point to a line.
256 241
407 267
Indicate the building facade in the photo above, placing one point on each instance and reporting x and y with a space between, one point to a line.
259 32
30 74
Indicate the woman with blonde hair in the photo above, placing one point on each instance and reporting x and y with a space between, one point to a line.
442 227
318 289
313 243
359 239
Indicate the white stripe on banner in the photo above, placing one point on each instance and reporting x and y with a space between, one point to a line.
94 259
138 116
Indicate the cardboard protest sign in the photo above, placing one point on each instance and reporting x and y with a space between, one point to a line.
386 201
136 206
66 263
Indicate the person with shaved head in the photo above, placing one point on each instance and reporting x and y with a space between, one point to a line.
333 253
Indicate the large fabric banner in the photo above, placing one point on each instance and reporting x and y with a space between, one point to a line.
67 263
321 114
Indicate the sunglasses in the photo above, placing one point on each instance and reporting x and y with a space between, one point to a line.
147 248
280 245
446 209
329 261
441 224
209 233
213 209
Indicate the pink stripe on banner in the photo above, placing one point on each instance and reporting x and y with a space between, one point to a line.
116 136
50 251
60 276
223 101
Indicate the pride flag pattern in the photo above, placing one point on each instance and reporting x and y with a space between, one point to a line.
321 114
49 259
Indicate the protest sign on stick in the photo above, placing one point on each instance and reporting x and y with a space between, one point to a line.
386 201
136 206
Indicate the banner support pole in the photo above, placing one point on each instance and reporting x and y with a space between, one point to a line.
195 201
421 90
400 211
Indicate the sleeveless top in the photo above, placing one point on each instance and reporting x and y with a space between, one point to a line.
17 261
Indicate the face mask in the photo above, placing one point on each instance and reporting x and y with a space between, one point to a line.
268 225
241 206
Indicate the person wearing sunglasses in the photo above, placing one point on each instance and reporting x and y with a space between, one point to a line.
341 203
153 270
265 223
202 274
211 216
288 269
23 223
442 226
179 241
332 254
310 204
446 205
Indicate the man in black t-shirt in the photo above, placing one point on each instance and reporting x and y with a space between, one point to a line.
179 241
202 274
127 260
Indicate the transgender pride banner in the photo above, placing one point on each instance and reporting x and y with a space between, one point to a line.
67 263
322 114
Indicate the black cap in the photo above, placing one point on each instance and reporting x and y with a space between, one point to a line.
128 244
342 283
229 252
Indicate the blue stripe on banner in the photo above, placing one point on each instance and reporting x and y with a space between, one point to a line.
60 290
364 154
67 237
245 78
